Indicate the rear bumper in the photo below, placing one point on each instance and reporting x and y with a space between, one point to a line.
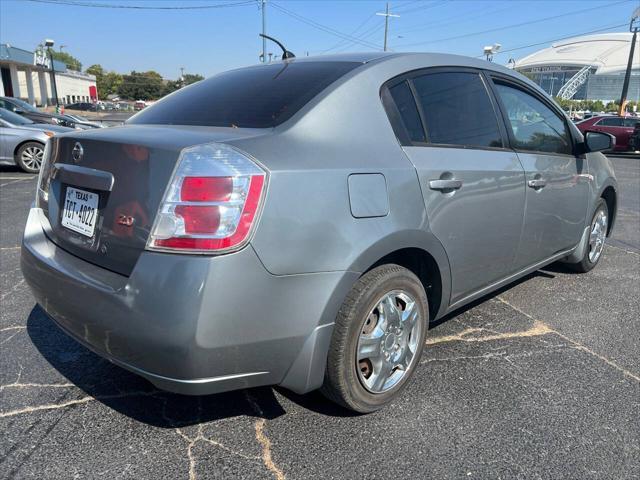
190 324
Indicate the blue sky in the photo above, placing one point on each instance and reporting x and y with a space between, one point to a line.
210 40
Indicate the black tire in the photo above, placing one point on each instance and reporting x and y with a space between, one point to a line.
26 150
342 382
586 264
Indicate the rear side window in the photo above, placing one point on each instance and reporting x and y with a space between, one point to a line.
403 98
457 110
254 97
535 126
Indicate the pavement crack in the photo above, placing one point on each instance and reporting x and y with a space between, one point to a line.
623 249
501 355
200 437
12 289
17 327
36 385
576 345
263 439
467 335
70 403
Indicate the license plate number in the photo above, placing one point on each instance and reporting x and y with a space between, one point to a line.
80 211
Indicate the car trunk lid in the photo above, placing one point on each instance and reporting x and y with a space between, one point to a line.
123 172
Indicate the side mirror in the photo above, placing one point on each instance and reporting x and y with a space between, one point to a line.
18 111
599 141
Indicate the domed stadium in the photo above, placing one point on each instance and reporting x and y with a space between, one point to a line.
590 67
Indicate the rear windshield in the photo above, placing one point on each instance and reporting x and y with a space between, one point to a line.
255 97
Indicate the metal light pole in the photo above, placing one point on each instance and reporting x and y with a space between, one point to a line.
634 26
50 43
264 30
490 50
386 16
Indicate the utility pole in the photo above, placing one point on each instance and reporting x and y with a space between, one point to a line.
264 30
634 27
386 16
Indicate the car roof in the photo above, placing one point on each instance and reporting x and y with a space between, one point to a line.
422 58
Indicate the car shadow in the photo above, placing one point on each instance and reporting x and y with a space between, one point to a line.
133 396
12 169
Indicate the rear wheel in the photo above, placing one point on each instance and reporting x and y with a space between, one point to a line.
597 236
29 157
377 340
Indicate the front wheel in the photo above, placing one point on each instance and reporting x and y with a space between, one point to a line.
597 236
29 157
377 340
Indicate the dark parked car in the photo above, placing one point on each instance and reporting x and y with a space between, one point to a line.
27 110
82 106
619 127
301 223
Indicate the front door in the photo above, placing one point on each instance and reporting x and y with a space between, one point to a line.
557 181
473 186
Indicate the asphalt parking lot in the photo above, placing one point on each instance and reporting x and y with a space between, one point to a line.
541 380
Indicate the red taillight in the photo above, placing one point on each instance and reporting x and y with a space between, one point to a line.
211 203
206 189
201 219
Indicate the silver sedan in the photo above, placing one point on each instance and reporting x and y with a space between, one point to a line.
22 141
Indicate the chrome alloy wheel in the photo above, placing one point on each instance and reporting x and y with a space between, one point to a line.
32 157
388 341
597 236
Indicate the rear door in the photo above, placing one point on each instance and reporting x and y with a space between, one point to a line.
473 186
557 181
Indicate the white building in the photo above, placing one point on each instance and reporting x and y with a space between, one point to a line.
590 67
27 75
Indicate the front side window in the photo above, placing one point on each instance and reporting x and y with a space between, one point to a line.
631 122
457 110
611 122
535 126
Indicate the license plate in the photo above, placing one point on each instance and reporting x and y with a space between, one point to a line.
80 211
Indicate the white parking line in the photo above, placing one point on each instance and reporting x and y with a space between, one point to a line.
14 181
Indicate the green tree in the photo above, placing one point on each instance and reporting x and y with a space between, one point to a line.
141 86
189 78
70 61
107 82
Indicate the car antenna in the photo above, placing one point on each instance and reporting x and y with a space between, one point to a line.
285 53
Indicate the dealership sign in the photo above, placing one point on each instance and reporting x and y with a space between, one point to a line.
40 59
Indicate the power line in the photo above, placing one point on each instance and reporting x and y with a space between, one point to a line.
530 22
455 19
421 7
343 42
366 34
322 27
140 7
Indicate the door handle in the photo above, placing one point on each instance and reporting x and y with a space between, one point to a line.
537 184
445 184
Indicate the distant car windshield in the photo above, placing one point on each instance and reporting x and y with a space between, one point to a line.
24 105
255 97
14 118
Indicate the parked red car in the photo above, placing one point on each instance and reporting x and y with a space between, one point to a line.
619 127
